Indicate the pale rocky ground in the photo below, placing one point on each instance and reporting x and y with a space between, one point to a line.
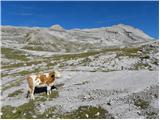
114 70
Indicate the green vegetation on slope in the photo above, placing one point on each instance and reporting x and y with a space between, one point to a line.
11 84
141 103
12 54
28 111
88 112
16 93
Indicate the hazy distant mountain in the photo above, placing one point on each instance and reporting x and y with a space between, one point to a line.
56 38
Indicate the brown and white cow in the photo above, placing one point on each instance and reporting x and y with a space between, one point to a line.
41 80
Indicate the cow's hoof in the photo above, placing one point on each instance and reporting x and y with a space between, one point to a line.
32 98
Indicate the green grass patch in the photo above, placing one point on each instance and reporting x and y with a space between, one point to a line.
26 110
48 113
141 103
29 63
131 52
125 51
12 65
29 110
24 72
7 112
16 93
54 94
3 75
11 84
73 56
36 48
87 112
36 62
152 115
12 54
140 65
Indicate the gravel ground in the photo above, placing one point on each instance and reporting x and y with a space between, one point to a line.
113 91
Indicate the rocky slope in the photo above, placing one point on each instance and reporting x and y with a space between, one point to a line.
108 72
57 39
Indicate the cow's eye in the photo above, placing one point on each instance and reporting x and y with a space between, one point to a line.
52 75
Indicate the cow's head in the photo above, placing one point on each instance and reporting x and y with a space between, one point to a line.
52 74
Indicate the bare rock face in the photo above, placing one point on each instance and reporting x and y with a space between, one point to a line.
40 37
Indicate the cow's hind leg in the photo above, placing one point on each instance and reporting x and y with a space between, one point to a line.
32 93
31 87
29 92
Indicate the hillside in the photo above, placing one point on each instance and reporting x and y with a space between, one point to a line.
108 72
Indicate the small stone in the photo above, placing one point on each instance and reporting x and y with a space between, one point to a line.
97 114
14 111
84 97
155 95
34 116
139 112
87 115
116 117
1 113
108 103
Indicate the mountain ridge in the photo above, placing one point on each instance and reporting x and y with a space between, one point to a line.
56 38
57 26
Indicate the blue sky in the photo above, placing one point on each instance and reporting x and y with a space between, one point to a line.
142 15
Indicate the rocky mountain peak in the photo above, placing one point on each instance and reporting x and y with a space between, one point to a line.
56 27
131 30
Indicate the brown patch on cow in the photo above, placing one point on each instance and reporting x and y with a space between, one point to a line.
46 80
43 79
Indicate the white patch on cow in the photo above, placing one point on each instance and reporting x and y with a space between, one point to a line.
42 85
47 74
35 81
33 77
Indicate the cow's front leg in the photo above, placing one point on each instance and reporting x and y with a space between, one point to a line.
48 90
